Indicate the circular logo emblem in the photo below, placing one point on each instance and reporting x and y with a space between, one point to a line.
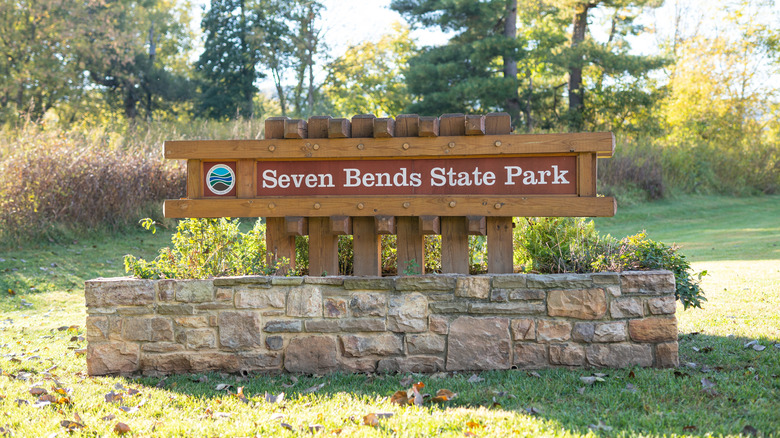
220 179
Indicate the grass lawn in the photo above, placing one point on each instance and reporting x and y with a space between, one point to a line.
721 389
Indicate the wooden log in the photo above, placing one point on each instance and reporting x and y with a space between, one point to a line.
279 244
475 125
339 128
296 225
295 128
274 127
477 225
586 174
319 126
452 124
246 178
366 247
194 179
430 224
363 126
341 225
454 245
407 125
499 240
385 224
384 127
410 246
429 127
323 248
498 123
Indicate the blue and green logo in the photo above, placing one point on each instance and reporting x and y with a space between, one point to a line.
220 179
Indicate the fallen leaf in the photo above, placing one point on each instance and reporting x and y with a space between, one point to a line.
706 383
749 430
270 398
630 388
128 409
414 395
600 426
474 425
581 390
689 428
469 434
371 420
600 375
108 417
591 380
133 391
407 381
759 347
20 402
113 397
314 388
750 344
533 411
777 346
38 391
444 395
121 428
475 379
223 387
71 425
534 374
399 398
316 428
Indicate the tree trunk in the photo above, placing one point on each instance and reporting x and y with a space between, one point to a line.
576 98
510 63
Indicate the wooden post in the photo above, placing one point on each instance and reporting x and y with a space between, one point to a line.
194 179
410 247
407 125
278 243
367 245
323 243
499 229
246 177
454 230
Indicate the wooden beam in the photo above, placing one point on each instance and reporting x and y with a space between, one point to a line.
498 123
363 126
274 128
508 205
586 174
296 128
194 179
454 245
366 247
477 225
319 126
499 240
296 225
429 127
323 248
452 125
384 127
601 143
339 128
246 178
410 246
385 224
341 225
475 125
407 125
430 224
279 244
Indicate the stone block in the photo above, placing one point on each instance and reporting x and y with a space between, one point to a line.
247 298
511 308
472 287
509 281
97 328
558 281
200 321
166 363
653 330
239 330
411 364
619 355
274 343
578 303
242 280
324 281
335 307
199 307
194 291
175 309
499 295
613 291
212 361
368 283
283 326
407 313
166 290
368 304
260 361
425 283
438 324
530 356
305 301
666 355
626 308
567 354
286 281
605 278
224 294
523 329
548 330
134 311
449 307
647 282
147 329
363 325
479 344
583 331
367 345
662 305
112 358
197 339
610 332
360 365
527 295
322 326
112 292
161 347
425 344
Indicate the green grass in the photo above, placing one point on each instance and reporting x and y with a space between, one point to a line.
743 290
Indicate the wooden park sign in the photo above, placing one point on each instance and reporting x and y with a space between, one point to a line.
455 175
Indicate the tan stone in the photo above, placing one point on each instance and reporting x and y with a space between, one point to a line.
407 313
410 364
478 344
666 355
111 292
362 365
657 329
527 295
425 283
523 329
112 358
647 282
283 326
147 329
567 354
335 308
97 328
212 361
223 294
200 321
558 281
509 281
239 329
304 301
166 290
194 291
165 363
366 345
260 361
578 304
583 331
512 308
311 355
286 281
368 304
197 339
425 344
362 325
619 355
530 355
274 342
247 298
610 332
368 283
553 330
161 347
322 326
473 287
626 308
438 324
662 305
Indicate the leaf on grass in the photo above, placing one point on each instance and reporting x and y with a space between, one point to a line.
20 402
223 387
133 391
407 381
532 411
600 426
240 395
777 346
630 388
371 420
581 390
113 397
759 347
314 388
71 425
121 428
469 434
286 426
591 380
631 375
475 379
415 398
750 344
706 383
474 425
38 391
313 428
444 395
108 417
534 374
399 398
749 430
689 428
270 398
128 409
276 416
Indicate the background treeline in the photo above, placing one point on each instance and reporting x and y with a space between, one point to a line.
89 89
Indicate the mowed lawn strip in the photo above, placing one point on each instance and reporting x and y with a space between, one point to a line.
722 387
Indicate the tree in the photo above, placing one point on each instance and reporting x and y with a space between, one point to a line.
368 78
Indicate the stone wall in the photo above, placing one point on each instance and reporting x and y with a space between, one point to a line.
428 323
